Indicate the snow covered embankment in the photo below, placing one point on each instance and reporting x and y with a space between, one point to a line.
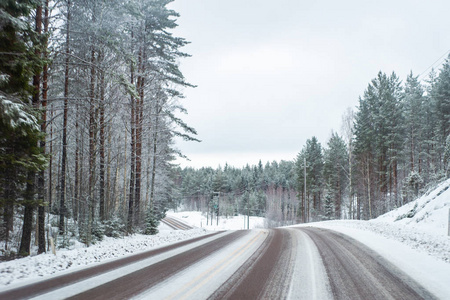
421 224
36 267
412 237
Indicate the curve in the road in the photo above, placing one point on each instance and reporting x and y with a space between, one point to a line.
357 272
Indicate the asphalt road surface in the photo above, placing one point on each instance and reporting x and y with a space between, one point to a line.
287 263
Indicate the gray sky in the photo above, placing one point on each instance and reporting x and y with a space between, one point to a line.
271 74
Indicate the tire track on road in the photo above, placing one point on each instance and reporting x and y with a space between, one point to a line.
265 275
45 286
357 272
137 282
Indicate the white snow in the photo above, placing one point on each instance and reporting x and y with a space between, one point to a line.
16 114
38 266
413 237
197 219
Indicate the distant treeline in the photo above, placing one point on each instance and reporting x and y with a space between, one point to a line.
393 147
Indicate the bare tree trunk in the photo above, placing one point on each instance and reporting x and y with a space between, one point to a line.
369 190
139 117
102 146
29 200
125 185
62 198
395 182
50 163
8 210
155 142
25 242
41 178
132 156
76 198
110 192
92 142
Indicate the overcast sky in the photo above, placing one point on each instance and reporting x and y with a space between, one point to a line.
272 74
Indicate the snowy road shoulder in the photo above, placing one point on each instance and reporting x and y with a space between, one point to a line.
431 272
30 269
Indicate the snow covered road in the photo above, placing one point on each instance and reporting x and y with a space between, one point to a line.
283 263
357 272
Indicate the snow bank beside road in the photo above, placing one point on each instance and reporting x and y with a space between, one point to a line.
436 245
428 213
412 237
421 224
400 249
40 266
37 267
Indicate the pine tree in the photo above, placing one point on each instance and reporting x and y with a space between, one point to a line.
335 172
329 209
151 223
441 95
415 121
19 62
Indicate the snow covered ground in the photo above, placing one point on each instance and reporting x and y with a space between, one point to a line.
36 267
421 224
197 219
413 237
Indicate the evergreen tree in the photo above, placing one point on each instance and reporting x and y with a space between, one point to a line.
415 121
414 114
329 209
441 95
19 62
378 143
335 172
151 223
18 59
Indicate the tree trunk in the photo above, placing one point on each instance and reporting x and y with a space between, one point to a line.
132 157
27 228
102 147
8 208
92 143
76 195
50 164
62 198
41 179
155 142
369 190
138 124
110 191
29 207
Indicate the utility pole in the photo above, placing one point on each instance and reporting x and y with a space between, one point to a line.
304 195
218 207
248 217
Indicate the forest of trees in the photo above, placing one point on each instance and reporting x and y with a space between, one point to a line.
89 108
392 148
90 96
266 191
